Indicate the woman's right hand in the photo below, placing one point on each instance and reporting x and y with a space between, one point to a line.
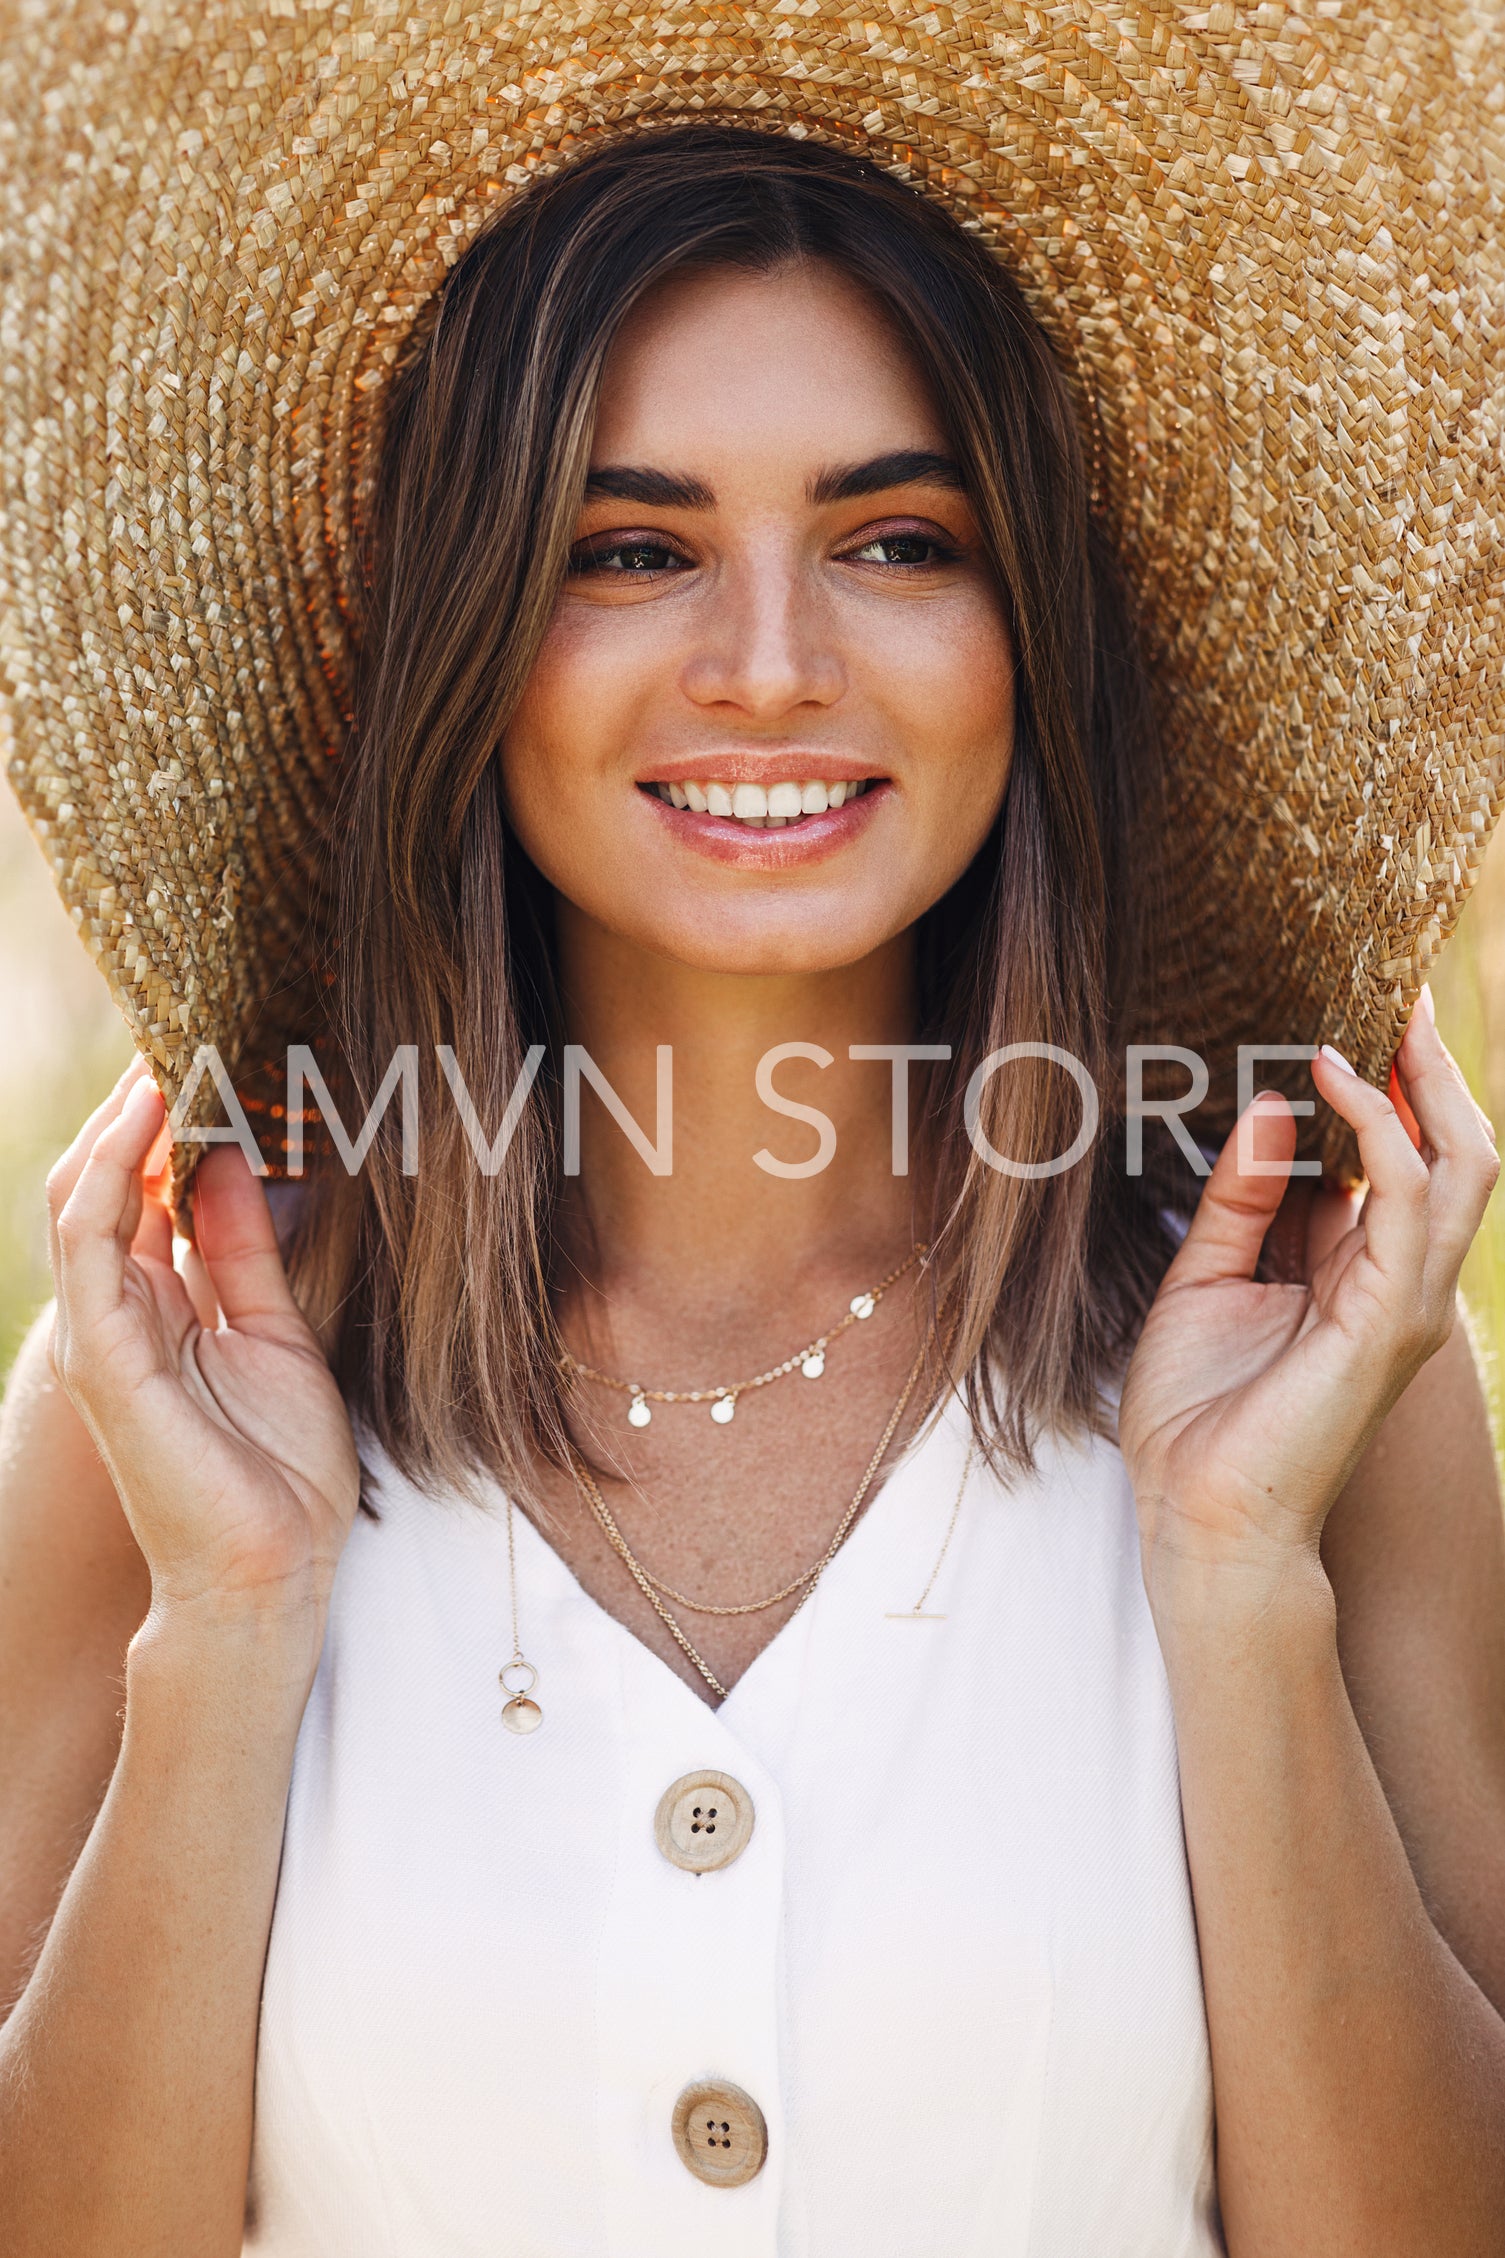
229 1445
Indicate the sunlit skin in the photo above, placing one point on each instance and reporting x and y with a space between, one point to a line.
754 632
804 596
770 580
1318 1521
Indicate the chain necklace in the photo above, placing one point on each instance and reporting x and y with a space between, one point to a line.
521 1713
650 1586
811 1361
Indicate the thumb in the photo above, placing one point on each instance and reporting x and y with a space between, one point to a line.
235 1237
1236 1209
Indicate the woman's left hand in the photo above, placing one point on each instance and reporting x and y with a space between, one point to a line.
1247 1405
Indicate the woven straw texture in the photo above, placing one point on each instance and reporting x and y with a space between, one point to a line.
1269 248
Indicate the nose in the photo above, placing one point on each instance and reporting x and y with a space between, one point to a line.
766 644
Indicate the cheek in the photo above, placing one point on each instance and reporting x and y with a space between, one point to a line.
577 711
576 700
948 678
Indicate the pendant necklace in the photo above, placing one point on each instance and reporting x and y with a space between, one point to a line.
722 1398
519 1677
652 1587
522 1713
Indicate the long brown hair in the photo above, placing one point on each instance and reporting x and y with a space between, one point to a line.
440 1282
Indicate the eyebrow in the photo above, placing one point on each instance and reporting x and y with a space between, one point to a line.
847 482
655 489
904 466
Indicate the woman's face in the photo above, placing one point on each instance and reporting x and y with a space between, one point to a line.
772 718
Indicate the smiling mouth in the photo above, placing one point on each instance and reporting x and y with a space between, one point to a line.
760 807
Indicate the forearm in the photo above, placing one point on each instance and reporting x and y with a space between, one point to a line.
73 1590
1359 2073
127 2066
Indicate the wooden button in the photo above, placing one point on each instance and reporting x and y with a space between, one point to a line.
704 1821
720 2133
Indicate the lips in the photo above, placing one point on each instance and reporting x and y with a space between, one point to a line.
786 801
762 842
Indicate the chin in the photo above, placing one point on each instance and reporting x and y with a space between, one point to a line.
764 941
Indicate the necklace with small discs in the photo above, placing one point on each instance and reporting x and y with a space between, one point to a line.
723 1396
522 1713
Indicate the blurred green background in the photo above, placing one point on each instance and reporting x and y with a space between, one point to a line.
68 1043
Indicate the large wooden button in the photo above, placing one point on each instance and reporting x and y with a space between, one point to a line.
720 2133
704 1821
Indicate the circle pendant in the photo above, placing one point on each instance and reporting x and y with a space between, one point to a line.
522 1715
813 1366
724 1410
862 1305
639 1412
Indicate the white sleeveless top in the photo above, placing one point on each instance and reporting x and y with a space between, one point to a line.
955 1965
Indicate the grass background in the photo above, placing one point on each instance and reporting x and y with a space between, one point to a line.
67 1043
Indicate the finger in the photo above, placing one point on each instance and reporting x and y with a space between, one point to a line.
200 1288
154 1232
1237 1205
98 1222
1335 1212
64 1173
1465 1164
234 1234
1397 1096
157 1167
1395 1210
63 1176
152 1239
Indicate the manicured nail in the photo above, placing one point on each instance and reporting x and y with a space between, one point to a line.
1426 1003
1337 1058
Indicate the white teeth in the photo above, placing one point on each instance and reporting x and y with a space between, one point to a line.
761 806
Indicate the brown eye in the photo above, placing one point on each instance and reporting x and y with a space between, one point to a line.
637 559
902 549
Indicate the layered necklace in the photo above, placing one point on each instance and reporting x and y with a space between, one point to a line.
522 1713
722 1397
657 1592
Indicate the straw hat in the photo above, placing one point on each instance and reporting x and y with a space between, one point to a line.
1268 247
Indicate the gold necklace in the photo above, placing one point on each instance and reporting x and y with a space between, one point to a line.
650 1586
811 1361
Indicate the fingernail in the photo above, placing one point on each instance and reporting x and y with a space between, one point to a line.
1328 1051
134 1095
1426 1003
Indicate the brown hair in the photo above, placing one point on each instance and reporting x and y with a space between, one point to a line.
443 1334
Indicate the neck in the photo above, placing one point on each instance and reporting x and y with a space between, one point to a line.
721 1220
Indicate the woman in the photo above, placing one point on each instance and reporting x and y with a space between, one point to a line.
937 1985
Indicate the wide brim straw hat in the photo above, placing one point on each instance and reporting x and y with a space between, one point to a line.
1267 246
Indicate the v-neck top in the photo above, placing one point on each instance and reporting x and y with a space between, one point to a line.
955 1965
